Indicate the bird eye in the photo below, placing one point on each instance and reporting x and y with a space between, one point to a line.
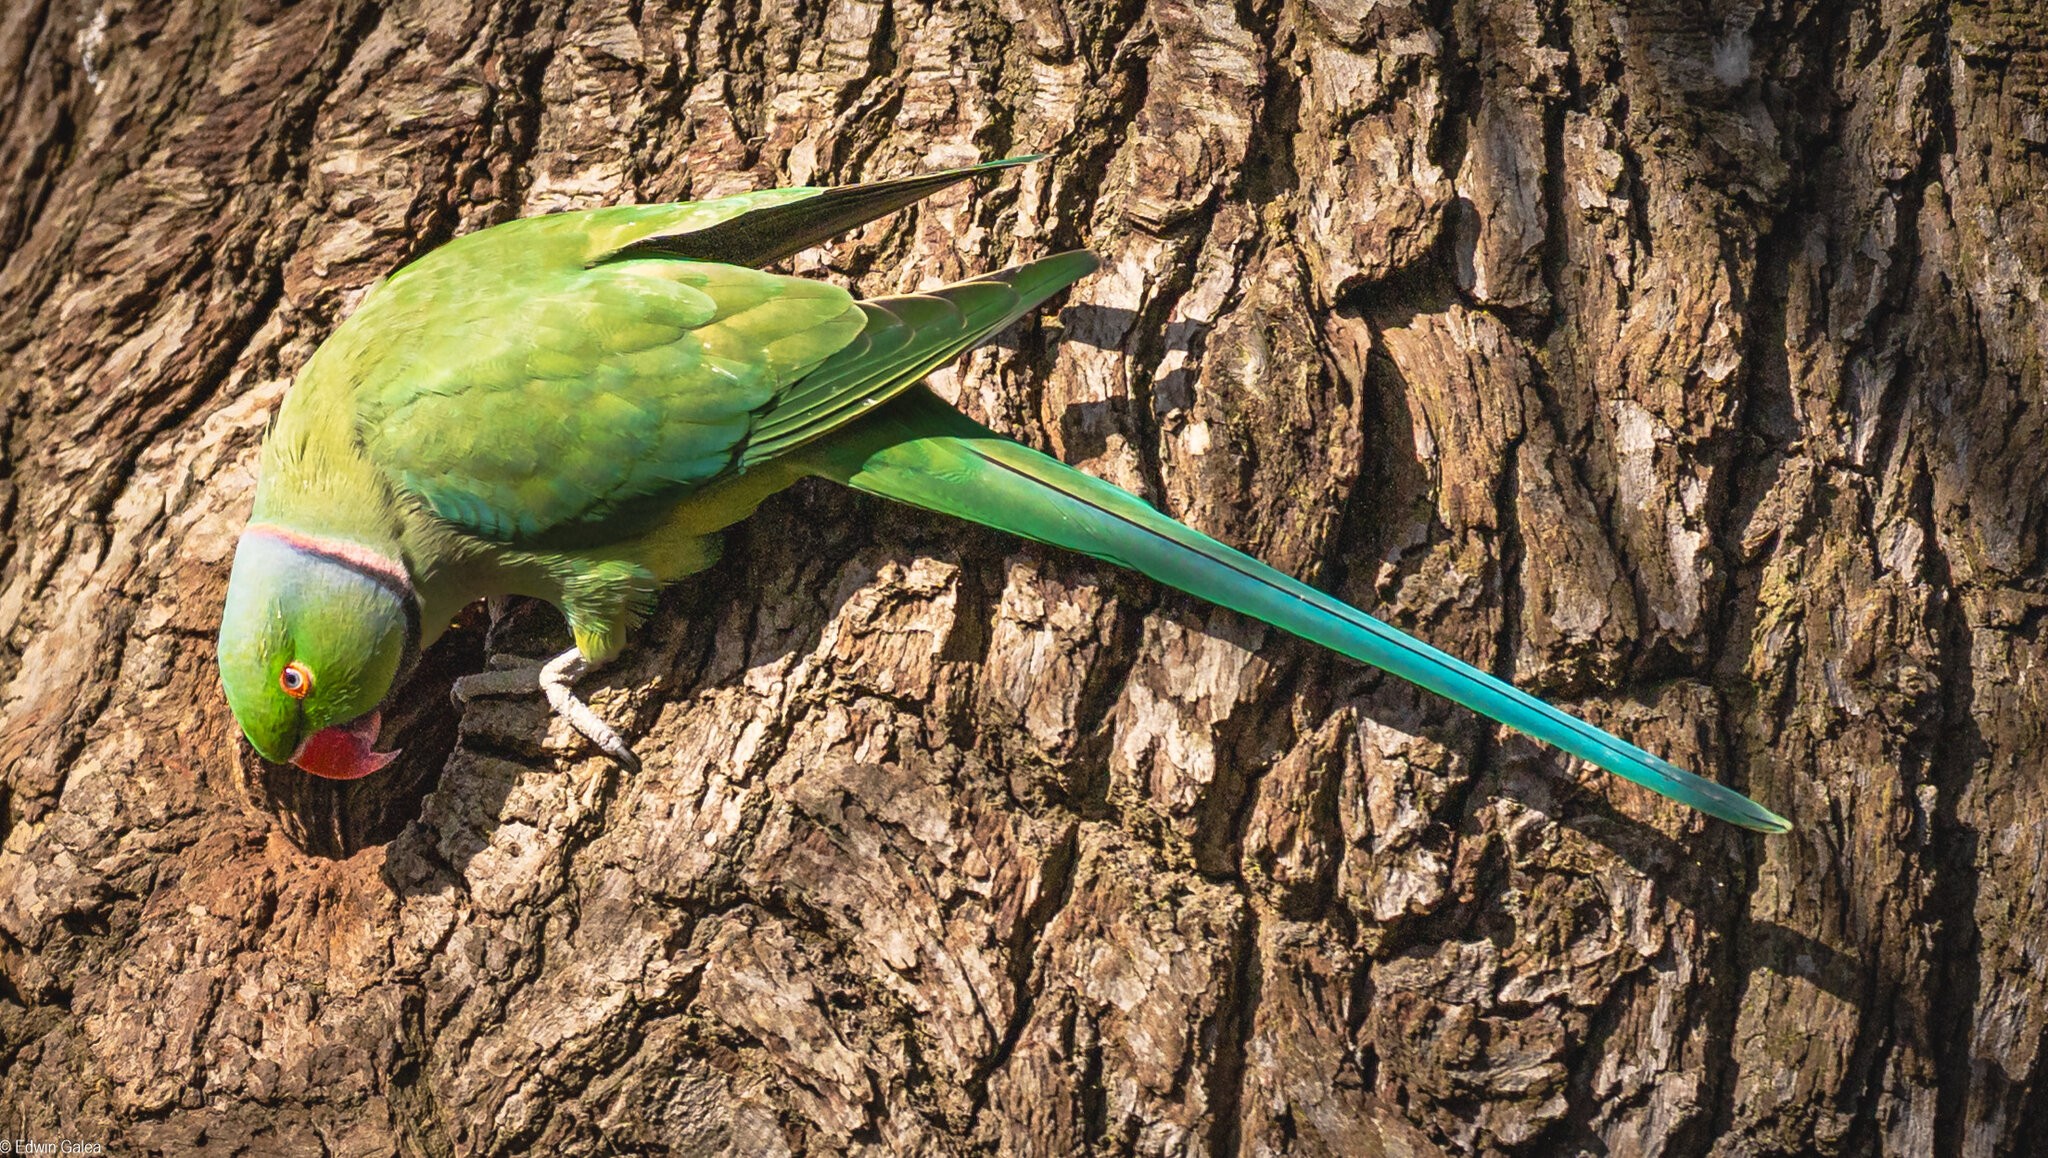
296 680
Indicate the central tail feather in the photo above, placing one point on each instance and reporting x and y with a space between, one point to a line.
923 452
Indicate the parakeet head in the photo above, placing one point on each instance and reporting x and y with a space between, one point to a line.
314 634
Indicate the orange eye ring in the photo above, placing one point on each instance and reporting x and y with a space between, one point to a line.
296 679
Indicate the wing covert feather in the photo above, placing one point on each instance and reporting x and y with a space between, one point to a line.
906 338
545 406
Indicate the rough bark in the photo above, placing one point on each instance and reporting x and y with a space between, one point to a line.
1681 359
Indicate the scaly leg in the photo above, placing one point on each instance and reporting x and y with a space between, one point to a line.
556 677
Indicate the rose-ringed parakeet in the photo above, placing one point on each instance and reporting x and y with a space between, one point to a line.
573 406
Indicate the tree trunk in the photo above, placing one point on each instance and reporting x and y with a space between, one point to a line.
1682 361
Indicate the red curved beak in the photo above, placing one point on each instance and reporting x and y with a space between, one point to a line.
345 751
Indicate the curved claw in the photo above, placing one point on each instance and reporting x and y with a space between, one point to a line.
556 676
515 676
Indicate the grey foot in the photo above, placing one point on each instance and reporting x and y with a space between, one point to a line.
555 678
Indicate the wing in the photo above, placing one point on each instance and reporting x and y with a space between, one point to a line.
561 380
574 407
579 413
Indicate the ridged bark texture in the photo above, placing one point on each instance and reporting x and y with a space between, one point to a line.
1680 359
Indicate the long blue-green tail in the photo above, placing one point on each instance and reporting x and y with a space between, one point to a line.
920 451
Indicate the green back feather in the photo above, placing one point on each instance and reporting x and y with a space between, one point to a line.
555 406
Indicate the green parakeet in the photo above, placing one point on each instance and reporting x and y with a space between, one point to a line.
573 406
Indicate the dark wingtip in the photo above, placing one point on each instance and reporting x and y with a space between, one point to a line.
1724 803
999 163
1770 823
980 167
